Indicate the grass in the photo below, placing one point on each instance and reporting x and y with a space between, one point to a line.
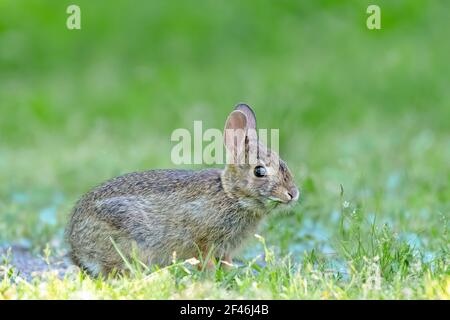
394 273
363 118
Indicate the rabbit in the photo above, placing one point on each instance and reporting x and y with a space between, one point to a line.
155 214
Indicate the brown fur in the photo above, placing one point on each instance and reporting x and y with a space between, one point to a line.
158 212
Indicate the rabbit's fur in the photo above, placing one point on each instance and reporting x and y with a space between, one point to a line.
155 213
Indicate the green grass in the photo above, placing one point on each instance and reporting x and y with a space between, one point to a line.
394 273
363 118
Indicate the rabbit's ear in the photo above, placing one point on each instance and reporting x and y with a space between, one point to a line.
252 143
234 136
249 113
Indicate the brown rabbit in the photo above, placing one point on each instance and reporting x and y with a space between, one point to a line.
154 213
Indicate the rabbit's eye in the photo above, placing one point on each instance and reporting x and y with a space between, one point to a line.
260 171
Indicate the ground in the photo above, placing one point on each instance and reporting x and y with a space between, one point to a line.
363 119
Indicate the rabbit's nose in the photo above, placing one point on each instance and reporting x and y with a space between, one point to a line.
293 194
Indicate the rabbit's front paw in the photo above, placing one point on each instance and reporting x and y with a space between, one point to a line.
227 262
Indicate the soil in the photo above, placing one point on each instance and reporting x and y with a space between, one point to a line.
28 264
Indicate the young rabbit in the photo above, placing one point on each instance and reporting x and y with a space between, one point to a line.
151 214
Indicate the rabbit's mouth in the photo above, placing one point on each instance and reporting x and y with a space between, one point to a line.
286 197
274 203
276 200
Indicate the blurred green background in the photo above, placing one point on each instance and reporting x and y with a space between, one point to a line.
368 110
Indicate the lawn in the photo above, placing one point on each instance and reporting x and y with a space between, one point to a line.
364 120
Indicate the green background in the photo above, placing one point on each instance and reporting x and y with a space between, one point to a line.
368 110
